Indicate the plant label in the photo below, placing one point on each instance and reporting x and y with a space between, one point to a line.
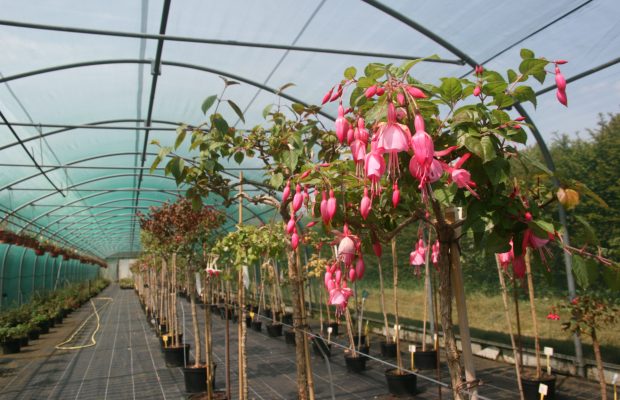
542 389
614 380
330 330
549 351
411 348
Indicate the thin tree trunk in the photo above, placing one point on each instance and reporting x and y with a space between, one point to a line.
208 353
227 341
517 352
192 296
300 360
382 295
305 327
518 319
399 360
173 295
599 364
446 235
427 283
530 289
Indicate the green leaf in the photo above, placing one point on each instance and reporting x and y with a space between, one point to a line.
526 53
445 195
451 89
237 110
535 163
611 276
196 202
181 132
284 87
488 149
496 171
590 234
365 82
221 124
525 93
541 228
238 157
584 189
276 180
532 66
155 164
267 110
208 103
503 101
474 145
496 243
350 73
298 108
585 270
512 75
290 158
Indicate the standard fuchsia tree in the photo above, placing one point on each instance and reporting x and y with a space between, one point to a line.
419 151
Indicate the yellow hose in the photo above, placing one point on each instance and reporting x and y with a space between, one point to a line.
61 346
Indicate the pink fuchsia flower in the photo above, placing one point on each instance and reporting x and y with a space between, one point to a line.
365 204
435 253
477 91
295 240
290 226
331 205
342 125
418 256
395 195
461 177
352 275
518 266
377 249
561 96
560 82
423 150
392 138
323 207
346 248
360 268
371 91
286 192
361 133
298 198
400 98
418 123
415 92
374 167
553 315
358 152
339 297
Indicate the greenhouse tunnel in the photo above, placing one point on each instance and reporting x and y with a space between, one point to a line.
87 89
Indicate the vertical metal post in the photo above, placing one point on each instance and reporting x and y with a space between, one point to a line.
19 276
34 273
6 254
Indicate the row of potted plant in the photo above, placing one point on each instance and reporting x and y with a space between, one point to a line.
42 246
27 322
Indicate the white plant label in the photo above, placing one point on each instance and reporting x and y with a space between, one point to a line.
330 329
548 351
411 348
614 380
542 389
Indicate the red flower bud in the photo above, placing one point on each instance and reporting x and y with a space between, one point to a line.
371 91
477 91
380 91
327 96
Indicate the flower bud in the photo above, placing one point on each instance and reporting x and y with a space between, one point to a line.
569 198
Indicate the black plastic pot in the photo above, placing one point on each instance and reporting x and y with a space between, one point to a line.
257 326
334 326
10 346
274 330
163 328
248 322
357 341
287 319
426 359
44 327
531 385
58 319
321 348
33 334
289 337
167 341
196 379
388 349
174 355
267 313
355 364
23 341
214 308
398 385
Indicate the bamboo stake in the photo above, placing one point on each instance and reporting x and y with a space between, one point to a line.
399 360
305 326
427 283
381 291
243 383
530 289
516 351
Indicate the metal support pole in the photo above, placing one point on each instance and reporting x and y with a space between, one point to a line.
19 276
6 254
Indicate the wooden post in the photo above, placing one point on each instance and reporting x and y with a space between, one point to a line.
515 350
243 384
530 289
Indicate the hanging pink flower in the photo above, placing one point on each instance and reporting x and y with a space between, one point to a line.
339 297
477 91
331 205
418 123
352 275
298 198
295 240
395 195
377 249
435 252
360 268
350 136
365 204
415 92
374 167
392 138
342 125
418 256
346 250
323 207
461 177
423 149
290 226
371 91
518 266
287 191
560 82
361 133
358 152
